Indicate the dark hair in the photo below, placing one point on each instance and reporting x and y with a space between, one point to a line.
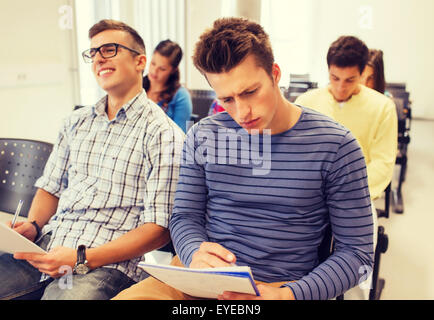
173 52
107 24
376 62
229 42
348 51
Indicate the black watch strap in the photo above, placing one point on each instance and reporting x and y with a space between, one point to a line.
38 230
81 254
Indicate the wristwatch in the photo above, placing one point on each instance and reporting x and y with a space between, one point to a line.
81 266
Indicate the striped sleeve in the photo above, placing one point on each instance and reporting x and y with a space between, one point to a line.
351 221
187 224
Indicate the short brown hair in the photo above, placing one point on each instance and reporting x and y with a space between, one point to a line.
348 51
230 41
108 24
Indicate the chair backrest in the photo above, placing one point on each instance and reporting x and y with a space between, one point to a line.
295 77
296 89
400 106
396 85
326 248
202 100
22 162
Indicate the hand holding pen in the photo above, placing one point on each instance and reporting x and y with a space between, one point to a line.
17 213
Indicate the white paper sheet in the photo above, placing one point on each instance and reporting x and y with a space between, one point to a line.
11 242
204 283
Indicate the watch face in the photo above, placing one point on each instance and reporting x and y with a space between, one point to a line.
81 269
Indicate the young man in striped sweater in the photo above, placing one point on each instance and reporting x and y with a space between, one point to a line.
266 200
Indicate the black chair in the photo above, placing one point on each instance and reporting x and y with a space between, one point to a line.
168 248
385 211
299 77
326 248
390 86
402 103
296 89
298 84
201 100
22 162
378 283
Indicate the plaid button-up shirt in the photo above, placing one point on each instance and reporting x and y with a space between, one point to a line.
112 176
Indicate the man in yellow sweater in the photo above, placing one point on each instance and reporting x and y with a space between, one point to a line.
369 115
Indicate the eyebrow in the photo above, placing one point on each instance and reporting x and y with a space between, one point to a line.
250 88
351 78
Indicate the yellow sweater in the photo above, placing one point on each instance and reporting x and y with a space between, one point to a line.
372 119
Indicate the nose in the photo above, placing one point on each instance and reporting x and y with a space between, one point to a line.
244 110
341 86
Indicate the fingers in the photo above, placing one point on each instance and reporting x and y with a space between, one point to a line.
212 255
29 256
17 224
25 228
218 251
42 262
227 295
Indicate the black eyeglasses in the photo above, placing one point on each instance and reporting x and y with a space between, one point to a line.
108 50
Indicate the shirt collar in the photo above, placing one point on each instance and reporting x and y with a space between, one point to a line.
131 108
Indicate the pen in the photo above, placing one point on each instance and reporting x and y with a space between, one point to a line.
17 212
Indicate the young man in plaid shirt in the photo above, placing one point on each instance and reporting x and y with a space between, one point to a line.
107 190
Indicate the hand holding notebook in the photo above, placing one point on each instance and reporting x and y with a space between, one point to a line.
12 242
204 283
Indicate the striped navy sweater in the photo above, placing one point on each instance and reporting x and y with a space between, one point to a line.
268 199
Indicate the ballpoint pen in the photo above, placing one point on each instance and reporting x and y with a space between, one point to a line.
17 212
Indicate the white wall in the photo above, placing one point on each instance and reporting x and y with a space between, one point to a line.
38 78
37 69
302 31
200 14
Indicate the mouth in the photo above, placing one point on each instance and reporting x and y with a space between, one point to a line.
105 71
250 124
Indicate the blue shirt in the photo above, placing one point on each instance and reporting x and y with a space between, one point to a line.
272 211
180 108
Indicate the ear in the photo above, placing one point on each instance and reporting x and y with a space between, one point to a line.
141 62
277 73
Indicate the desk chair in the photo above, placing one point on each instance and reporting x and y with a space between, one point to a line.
22 162
296 89
296 77
326 248
402 103
385 212
298 84
201 100
378 283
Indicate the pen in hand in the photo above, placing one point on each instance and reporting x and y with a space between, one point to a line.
17 212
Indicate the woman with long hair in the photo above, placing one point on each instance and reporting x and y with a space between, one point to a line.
162 83
373 75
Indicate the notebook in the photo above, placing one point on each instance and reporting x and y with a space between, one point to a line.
11 242
204 283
